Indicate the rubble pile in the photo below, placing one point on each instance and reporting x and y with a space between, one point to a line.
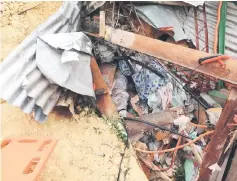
170 97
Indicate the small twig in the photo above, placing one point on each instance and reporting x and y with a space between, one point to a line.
138 19
127 16
231 141
118 16
116 13
178 147
121 161
29 8
113 13
156 126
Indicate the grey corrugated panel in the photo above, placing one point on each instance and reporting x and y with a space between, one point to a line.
189 25
195 3
231 30
37 95
211 14
160 16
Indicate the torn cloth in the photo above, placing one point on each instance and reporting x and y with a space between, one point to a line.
151 88
146 82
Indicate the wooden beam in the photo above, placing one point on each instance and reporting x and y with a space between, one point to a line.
98 80
135 130
104 101
102 23
216 145
176 54
108 70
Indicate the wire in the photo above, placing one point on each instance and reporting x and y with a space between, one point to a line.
121 161
178 147
173 157
156 126
134 9
126 146
198 125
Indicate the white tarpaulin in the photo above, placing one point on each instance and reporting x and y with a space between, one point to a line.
64 59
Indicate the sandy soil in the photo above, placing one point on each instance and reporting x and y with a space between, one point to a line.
15 27
87 148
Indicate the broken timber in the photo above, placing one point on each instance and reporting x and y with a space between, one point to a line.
135 130
216 145
176 54
104 101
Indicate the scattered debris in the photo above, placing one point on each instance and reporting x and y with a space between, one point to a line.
215 167
189 170
137 64
68 54
167 20
214 115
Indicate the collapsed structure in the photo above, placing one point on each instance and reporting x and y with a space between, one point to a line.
158 66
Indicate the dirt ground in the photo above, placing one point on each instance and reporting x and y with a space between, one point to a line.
87 149
15 27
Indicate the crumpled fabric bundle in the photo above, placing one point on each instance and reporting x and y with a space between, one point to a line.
146 82
152 89
160 99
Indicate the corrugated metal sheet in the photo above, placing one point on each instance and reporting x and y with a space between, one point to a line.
22 84
160 16
189 25
211 14
231 30
195 3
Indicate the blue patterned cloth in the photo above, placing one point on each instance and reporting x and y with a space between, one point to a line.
124 68
145 81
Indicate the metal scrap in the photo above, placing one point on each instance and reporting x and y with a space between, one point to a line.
22 61
160 16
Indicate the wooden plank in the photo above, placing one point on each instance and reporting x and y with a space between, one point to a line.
216 145
108 70
102 23
232 174
106 105
135 130
176 54
104 101
98 80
